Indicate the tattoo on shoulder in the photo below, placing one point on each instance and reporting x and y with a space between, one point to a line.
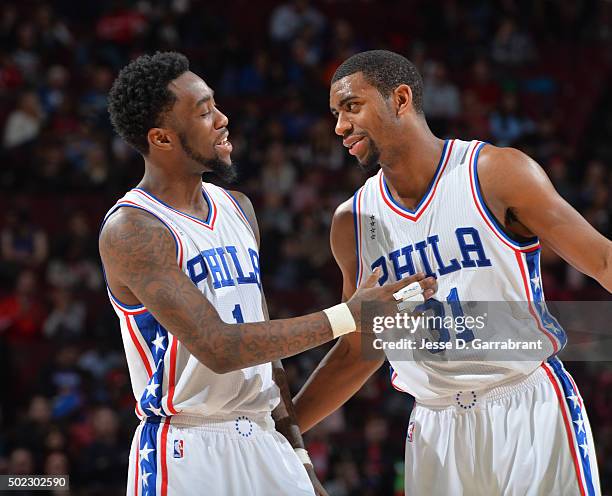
133 242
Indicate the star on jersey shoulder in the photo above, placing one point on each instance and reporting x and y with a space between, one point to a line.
158 342
145 477
580 424
574 400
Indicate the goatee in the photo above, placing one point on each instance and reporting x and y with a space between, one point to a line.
371 161
224 171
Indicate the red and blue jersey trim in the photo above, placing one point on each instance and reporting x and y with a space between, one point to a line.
152 342
555 335
209 223
414 215
151 458
527 255
357 226
486 214
159 342
239 210
144 329
574 419
177 240
393 376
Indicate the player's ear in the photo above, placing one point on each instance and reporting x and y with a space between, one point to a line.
159 138
402 96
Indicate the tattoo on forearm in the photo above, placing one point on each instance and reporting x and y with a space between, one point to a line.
140 252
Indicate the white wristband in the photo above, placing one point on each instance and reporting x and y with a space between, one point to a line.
302 454
341 319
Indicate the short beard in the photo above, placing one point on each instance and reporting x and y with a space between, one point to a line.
226 172
372 160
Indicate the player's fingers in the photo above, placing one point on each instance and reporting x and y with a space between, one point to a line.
402 283
428 293
372 279
429 284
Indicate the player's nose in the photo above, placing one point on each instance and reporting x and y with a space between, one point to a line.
222 120
342 125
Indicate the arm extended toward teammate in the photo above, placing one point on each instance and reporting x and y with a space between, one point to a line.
344 369
139 255
512 183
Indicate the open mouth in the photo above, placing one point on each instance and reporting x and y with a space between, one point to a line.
224 144
356 146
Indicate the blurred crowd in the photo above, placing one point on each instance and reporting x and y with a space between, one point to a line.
530 74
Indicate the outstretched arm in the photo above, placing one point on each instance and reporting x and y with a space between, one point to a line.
344 369
512 183
138 253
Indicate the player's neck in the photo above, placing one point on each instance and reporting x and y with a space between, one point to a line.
413 167
182 192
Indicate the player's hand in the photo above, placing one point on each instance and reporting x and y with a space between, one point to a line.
369 291
318 487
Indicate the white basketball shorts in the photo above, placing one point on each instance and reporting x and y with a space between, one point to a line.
241 455
526 439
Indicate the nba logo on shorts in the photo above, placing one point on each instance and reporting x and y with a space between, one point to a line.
178 448
410 432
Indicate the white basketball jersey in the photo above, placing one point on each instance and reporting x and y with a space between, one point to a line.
452 235
220 256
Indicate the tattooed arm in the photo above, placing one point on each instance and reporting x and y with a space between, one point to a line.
138 253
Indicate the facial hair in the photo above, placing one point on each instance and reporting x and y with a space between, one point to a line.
224 171
372 159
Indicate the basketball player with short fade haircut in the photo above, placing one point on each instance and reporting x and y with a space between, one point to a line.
182 268
472 215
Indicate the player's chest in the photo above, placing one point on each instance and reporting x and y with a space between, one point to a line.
433 245
222 258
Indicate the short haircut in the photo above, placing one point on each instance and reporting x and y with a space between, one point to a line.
140 96
385 71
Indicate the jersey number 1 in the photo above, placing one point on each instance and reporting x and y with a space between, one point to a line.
237 314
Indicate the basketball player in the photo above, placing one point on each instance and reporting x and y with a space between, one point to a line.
182 267
472 215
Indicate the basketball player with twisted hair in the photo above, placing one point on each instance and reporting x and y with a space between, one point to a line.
473 215
181 262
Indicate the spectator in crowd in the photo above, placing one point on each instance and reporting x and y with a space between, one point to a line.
104 458
21 462
278 173
441 98
26 55
66 320
24 123
510 46
289 19
22 313
508 126
53 93
72 264
22 244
